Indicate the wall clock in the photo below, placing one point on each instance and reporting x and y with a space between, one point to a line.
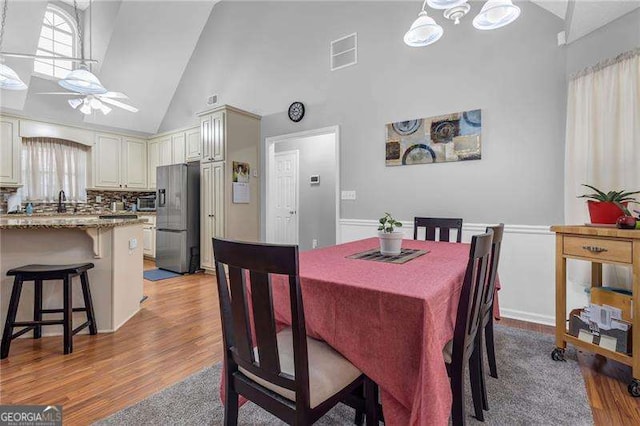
296 111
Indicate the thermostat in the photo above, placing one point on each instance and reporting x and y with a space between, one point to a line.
314 180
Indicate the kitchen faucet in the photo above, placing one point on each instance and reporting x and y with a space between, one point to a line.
61 197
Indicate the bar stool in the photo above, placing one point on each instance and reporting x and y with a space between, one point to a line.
38 274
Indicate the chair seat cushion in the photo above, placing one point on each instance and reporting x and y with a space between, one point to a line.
329 372
447 351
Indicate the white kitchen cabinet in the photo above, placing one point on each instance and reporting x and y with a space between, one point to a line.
134 161
212 135
165 151
153 155
193 145
178 148
211 209
149 236
10 152
228 134
119 162
107 159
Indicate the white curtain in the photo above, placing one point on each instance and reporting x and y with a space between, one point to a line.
50 165
602 140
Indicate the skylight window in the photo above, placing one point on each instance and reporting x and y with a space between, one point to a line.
57 38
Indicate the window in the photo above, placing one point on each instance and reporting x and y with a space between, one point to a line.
49 165
57 38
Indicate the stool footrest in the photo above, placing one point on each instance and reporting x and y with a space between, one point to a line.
60 311
79 328
23 331
34 323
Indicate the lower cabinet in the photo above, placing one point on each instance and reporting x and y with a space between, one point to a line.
211 210
149 237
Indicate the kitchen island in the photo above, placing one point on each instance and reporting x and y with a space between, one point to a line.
114 246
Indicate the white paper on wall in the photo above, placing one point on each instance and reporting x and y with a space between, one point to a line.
241 193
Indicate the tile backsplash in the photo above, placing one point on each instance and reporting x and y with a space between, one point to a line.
91 206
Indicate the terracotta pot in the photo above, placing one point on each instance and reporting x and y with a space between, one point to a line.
604 212
390 243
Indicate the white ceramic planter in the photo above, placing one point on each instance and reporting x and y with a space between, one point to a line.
390 243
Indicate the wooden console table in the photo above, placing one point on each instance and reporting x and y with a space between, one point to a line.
598 246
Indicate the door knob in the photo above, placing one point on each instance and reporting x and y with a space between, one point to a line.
292 212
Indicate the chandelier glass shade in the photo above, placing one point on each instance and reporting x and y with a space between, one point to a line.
496 14
423 32
9 79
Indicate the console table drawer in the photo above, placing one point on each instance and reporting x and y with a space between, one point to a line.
599 249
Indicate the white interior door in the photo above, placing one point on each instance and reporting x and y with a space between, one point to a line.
284 190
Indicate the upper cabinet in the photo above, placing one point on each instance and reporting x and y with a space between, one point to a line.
119 162
9 152
134 162
212 136
172 148
193 144
153 157
178 148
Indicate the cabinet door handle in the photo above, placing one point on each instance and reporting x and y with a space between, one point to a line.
595 249
211 215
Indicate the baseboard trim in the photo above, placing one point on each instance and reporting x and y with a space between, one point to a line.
528 317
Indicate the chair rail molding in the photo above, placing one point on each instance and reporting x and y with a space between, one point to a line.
526 271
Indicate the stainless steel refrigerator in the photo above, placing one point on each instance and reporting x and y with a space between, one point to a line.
178 217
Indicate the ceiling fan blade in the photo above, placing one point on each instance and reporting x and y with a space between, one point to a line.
119 104
61 93
113 95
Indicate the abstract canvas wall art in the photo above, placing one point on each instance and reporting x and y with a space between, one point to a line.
451 137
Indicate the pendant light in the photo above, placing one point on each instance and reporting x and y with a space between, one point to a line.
496 14
82 80
424 30
9 79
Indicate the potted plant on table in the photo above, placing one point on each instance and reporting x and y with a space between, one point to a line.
608 208
390 238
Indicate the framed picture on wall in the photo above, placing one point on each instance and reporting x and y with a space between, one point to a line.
444 138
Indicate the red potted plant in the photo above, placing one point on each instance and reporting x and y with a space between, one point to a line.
607 208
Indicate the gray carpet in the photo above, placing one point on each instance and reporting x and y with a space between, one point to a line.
532 390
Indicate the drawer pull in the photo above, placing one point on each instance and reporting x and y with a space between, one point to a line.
595 249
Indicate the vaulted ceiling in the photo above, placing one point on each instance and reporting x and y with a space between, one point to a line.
144 46
584 16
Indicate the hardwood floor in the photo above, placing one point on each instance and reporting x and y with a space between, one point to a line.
177 333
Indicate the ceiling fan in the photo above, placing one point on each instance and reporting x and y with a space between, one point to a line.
95 101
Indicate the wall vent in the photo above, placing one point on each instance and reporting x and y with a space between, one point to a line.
212 100
344 52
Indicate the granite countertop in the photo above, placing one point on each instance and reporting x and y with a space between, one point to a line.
65 222
78 214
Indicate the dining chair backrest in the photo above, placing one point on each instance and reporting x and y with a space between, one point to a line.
258 262
444 224
470 305
498 231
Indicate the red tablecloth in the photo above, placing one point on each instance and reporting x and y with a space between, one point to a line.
391 321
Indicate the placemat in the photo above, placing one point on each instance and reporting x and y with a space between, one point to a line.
374 254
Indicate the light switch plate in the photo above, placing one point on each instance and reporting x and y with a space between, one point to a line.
98 198
133 243
348 195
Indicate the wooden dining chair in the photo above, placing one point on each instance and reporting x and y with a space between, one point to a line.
444 224
463 348
294 377
487 310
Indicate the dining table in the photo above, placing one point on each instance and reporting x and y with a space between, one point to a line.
390 320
